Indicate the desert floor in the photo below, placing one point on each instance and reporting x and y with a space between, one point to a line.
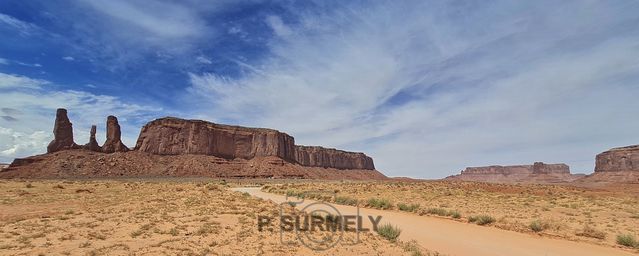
153 217
590 215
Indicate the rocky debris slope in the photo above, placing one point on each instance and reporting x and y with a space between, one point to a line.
89 164
320 157
536 173
616 165
62 133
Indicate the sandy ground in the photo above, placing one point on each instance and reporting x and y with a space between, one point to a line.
167 217
457 238
593 214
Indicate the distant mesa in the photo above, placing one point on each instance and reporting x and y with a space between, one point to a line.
538 172
177 147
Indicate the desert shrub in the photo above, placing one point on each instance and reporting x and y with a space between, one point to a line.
481 219
627 240
437 211
292 204
454 214
537 226
383 204
589 231
413 248
58 186
389 232
29 185
345 200
407 207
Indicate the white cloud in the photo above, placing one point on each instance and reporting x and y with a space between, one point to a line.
4 61
16 143
24 28
427 92
17 81
203 60
68 58
159 18
277 25
35 108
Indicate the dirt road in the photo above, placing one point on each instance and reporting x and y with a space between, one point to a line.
457 238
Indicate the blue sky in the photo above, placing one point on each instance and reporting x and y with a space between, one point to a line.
424 87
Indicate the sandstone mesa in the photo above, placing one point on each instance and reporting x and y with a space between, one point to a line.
177 147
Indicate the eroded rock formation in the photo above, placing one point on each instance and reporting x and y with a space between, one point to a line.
537 173
174 136
62 133
621 159
542 168
329 157
113 141
93 143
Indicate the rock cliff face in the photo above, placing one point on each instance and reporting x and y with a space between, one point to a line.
93 144
62 133
542 168
328 157
174 136
624 159
113 141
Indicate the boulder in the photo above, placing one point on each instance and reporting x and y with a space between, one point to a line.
333 158
62 133
623 159
113 141
93 143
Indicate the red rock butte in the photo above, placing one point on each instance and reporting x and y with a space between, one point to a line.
177 147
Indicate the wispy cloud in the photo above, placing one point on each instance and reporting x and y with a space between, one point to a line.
428 88
23 28
277 25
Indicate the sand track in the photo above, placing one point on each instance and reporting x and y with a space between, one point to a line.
456 238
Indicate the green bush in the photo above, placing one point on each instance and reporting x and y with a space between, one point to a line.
408 207
389 232
455 214
383 204
537 226
627 240
345 200
481 219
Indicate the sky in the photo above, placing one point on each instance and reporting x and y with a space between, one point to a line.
426 88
